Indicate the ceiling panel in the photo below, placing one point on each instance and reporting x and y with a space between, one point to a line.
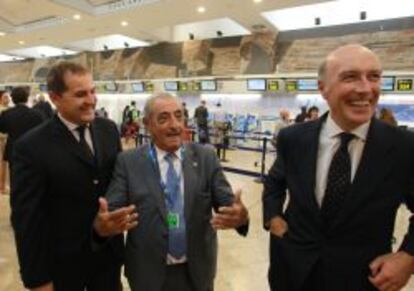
101 2
18 12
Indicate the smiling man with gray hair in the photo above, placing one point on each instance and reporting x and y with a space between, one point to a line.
174 187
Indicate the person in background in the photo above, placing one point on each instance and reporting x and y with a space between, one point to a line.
284 120
185 111
60 170
43 107
302 115
4 105
174 187
201 117
101 112
346 175
313 113
220 128
18 120
387 116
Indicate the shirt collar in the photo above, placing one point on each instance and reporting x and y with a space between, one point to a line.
70 125
333 129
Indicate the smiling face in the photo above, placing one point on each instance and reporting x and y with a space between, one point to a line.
165 123
77 103
351 85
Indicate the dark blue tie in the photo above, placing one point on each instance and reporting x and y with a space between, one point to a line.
339 180
82 141
175 205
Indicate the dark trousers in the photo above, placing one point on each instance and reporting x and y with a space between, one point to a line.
95 274
315 280
177 278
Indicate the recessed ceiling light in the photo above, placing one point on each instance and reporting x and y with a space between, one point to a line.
257 1
124 23
21 42
77 16
201 9
2 33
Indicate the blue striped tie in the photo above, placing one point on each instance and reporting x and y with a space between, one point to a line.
175 204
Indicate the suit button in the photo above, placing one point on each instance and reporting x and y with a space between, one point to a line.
95 182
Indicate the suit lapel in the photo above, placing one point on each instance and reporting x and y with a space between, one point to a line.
308 159
65 138
98 142
153 180
189 167
375 163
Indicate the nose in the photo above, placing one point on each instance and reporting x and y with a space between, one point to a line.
175 122
91 98
364 85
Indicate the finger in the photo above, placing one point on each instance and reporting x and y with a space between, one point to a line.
237 196
121 213
131 225
378 280
376 265
103 205
226 210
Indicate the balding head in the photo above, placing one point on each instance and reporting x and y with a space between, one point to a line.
349 80
341 53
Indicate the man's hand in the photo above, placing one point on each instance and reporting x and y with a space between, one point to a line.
231 216
391 272
115 222
45 287
278 226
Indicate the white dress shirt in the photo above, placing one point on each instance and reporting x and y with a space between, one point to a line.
163 168
329 142
72 128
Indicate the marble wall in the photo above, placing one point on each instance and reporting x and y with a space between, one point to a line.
260 53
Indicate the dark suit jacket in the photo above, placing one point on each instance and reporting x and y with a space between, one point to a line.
44 108
364 226
16 121
137 181
54 199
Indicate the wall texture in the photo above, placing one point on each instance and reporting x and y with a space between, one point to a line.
253 54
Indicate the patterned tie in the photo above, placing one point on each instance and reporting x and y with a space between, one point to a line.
82 141
339 179
175 205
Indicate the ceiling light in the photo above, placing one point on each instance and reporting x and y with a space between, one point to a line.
201 9
2 33
124 23
77 16
257 1
21 42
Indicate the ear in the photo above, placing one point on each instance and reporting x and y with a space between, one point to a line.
54 97
321 88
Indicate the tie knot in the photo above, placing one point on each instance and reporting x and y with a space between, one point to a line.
81 130
346 137
169 157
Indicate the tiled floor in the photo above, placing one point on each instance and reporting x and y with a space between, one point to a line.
242 262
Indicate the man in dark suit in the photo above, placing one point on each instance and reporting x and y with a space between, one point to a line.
346 174
201 117
43 107
17 120
174 187
60 170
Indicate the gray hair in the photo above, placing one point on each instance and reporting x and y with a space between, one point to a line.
150 102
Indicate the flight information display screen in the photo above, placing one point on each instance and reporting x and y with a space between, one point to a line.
256 84
171 86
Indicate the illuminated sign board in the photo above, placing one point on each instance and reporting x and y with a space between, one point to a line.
405 85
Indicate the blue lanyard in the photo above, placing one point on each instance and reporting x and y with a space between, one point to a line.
154 159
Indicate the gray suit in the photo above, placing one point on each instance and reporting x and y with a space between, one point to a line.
136 180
